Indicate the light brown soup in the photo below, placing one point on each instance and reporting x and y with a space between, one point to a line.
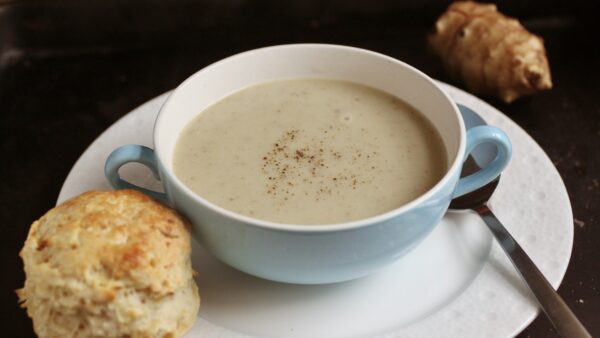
310 151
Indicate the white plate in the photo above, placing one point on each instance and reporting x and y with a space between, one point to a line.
457 283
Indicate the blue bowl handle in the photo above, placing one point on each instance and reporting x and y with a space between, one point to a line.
132 153
476 136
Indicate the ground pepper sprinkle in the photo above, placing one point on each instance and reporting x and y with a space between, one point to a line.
294 159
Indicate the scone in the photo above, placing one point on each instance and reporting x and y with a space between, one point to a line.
109 264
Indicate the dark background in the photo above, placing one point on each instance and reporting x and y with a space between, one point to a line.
69 69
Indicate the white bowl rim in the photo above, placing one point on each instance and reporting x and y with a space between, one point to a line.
315 228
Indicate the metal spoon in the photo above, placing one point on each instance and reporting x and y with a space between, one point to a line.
562 318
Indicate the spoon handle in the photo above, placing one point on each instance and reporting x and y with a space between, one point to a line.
563 319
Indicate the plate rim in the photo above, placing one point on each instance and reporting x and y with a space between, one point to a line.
453 92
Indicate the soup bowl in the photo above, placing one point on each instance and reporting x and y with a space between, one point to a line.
299 253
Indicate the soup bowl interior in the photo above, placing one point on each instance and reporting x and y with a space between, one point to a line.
240 71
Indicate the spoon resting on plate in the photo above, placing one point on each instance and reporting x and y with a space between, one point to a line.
562 318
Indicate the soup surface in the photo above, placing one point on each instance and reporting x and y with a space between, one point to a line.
310 151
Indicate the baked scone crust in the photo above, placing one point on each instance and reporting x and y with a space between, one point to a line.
109 264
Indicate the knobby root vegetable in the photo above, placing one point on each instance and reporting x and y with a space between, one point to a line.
492 54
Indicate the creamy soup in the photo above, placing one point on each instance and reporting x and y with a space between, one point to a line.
310 151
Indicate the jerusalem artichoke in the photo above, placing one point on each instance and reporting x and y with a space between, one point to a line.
490 53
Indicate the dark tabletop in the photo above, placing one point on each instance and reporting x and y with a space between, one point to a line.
70 69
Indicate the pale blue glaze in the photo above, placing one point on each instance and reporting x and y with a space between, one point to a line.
485 135
132 153
485 153
312 255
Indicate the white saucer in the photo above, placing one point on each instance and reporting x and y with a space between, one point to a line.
457 283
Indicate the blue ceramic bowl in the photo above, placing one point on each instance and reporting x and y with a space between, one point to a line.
315 254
